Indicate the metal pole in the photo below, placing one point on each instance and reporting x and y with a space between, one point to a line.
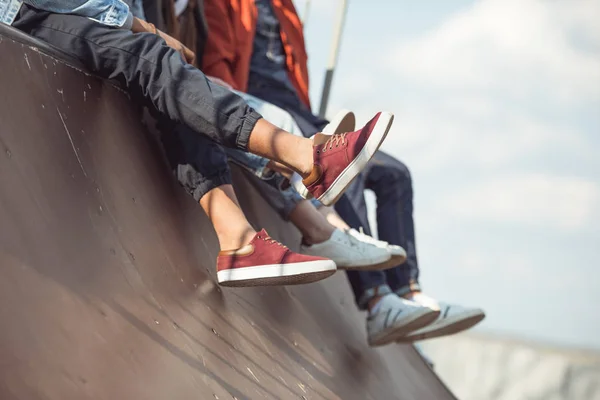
306 10
333 56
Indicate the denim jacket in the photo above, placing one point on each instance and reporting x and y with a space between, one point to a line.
108 12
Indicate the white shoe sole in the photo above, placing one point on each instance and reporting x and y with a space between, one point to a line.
416 320
392 262
450 326
277 274
337 188
364 264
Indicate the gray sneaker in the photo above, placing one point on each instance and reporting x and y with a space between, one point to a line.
395 318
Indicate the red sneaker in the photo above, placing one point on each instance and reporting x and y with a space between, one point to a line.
339 158
266 262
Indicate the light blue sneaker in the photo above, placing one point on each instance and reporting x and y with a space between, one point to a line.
394 317
453 318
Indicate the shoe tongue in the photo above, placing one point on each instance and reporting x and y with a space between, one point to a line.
262 233
320 138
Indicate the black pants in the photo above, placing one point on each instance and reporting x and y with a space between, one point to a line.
156 75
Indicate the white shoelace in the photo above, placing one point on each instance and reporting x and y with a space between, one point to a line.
368 239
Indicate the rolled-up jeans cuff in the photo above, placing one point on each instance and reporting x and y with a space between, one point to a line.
212 182
248 125
411 287
256 165
316 203
369 294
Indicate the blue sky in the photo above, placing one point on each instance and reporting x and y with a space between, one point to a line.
497 106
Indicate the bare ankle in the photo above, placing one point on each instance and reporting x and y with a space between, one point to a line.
307 159
235 240
313 226
317 235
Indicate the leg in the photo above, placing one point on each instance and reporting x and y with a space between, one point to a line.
222 208
391 182
201 168
333 218
368 286
247 258
278 117
156 75
314 227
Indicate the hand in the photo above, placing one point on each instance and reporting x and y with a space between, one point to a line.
186 53
143 26
219 81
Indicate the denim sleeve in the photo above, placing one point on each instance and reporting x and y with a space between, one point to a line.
108 12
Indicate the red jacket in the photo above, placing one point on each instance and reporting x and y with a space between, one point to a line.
231 29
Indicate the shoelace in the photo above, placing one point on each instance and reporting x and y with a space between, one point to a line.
354 242
335 141
270 240
369 239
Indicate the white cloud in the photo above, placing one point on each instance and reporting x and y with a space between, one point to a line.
539 200
498 84
516 48
497 116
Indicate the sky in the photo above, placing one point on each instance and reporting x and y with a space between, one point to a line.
497 115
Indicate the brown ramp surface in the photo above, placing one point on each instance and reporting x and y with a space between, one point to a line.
107 269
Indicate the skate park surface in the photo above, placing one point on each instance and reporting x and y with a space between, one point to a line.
107 285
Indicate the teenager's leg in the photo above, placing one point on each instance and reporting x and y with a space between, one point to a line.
201 168
156 75
314 227
222 208
391 182
333 217
247 257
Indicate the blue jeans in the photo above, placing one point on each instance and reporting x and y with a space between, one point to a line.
390 180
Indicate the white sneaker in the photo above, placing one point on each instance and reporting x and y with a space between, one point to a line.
452 319
395 317
347 252
398 253
344 121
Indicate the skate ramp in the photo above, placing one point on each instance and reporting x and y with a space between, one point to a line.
107 268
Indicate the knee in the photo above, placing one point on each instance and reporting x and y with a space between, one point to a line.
401 173
391 176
